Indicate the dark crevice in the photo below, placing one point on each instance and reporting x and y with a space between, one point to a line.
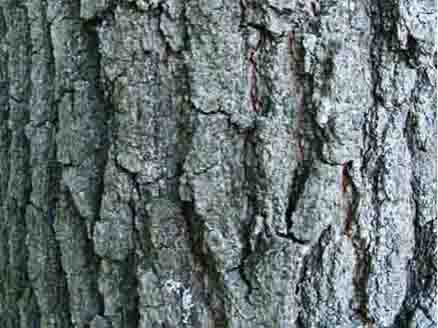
213 294
291 236
252 208
245 278
310 138
41 231
89 71
404 317
168 50
422 268
301 175
351 195
259 61
19 187
360 279
68 214
299 323
243 14
92 70
54 168
5 140
384 16
410 55
133 314
382 21
203 268
323 135
107 13
311 263
204 261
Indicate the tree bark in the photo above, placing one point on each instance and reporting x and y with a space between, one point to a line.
217 163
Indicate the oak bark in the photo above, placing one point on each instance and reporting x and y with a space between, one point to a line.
252 163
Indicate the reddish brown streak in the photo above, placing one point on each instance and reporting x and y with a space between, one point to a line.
345 182
349 222
252 54
291 40
253 82
344 178
299 133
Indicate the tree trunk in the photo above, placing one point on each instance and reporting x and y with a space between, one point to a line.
188 163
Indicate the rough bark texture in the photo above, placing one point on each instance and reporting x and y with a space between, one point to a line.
206 163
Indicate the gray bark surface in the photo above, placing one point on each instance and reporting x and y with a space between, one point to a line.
218 164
